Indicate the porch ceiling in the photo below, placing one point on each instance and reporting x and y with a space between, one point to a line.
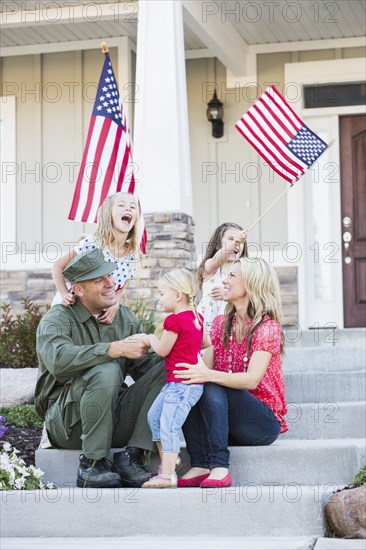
27 23
284 21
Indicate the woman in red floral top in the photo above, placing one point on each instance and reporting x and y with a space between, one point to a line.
243 402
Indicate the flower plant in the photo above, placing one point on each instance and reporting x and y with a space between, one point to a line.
15 474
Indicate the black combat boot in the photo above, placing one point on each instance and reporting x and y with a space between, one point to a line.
137 455
96 474
130 472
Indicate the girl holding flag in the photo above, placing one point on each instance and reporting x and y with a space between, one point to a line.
227 244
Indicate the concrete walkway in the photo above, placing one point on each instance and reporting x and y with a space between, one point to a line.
182 543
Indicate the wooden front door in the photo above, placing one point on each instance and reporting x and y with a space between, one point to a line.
353 198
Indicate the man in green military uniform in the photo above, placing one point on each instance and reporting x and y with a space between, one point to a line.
80 389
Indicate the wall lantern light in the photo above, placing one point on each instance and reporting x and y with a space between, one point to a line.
215 112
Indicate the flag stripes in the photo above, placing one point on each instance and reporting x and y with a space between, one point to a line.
106 166
279 136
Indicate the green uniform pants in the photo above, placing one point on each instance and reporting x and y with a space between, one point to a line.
95 412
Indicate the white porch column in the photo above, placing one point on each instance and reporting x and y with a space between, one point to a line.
161 137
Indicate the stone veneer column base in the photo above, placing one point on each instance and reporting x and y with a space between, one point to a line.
170 245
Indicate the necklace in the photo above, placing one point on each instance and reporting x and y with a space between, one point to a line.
230 351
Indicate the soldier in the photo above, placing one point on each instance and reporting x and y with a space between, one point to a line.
80 389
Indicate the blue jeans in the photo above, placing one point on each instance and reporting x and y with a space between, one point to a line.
169 411
223 417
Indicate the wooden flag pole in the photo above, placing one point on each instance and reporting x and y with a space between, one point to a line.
269 208
281 195
104 47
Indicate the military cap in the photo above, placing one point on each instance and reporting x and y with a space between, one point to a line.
88 266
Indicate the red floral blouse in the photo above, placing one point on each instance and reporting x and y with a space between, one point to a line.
266 337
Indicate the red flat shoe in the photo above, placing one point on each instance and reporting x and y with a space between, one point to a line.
224 482
192 482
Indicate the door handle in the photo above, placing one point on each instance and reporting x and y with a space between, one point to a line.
347 237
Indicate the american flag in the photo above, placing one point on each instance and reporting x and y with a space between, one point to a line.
106 167
279 135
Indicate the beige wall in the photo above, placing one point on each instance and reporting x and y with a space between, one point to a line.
51 127
52 120
227 196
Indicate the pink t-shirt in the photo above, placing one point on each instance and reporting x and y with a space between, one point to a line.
266 337
188 343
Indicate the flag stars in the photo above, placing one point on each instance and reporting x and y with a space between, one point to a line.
306 145
107 101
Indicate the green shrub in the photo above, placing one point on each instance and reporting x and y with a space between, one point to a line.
360 478
18 332
18 335
146 316
23 416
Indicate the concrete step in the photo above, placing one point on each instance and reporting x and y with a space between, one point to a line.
181 543
250 511
323 359
325 337
339 544
326 420
285 461
325 387
163 543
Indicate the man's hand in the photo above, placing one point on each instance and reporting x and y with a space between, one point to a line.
133 347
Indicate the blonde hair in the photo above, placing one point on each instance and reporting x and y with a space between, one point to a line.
262 288
184 281
104 231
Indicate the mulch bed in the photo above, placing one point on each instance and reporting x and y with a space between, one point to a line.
25 440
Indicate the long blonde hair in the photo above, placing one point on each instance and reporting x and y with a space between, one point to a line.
184 281
104 231
262 288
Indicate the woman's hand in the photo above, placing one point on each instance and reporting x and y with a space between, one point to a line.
196 374
68 299
109 314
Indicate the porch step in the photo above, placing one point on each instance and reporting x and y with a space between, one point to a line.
323 359
282 463
182 543
249 511
333 420
325 387
164 543
325 337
